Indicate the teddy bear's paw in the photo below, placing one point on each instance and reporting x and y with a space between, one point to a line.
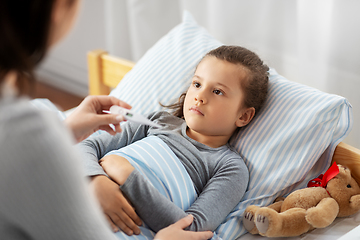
285 224
262 224
248 219
268 222
323 214
248 222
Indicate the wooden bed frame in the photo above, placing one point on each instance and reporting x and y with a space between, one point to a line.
106 71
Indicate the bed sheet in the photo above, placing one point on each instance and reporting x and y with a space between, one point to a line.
340 228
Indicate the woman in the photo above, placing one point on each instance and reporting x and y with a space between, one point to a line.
43 195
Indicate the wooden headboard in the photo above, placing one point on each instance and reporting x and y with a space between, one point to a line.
106 71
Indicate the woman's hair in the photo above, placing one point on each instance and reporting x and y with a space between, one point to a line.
255 85
24 38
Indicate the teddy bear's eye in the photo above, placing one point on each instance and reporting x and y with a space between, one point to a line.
348 186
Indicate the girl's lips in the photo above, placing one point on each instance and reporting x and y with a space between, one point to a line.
196 110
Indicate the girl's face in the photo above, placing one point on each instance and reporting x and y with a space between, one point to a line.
214 103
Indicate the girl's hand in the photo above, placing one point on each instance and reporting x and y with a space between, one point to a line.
176 231
118 168
89 117
118 211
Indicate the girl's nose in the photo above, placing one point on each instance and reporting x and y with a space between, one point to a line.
200 98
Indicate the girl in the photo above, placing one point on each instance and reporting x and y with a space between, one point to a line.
42 193
228 87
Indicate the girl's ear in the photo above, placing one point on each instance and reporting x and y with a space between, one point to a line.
245 117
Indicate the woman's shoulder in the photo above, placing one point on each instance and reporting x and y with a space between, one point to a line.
33 139
18 115
21 124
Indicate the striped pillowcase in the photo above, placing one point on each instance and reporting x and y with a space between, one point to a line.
290 141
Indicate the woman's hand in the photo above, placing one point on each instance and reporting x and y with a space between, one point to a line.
118 211
176 231
89 117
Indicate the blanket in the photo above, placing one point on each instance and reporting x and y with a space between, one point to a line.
160 166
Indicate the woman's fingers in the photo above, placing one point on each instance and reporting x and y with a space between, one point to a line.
108 129
89 117
105 102
184 222
176 231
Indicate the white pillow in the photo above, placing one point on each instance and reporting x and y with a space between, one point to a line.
283 144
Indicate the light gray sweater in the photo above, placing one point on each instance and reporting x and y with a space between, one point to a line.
43 192
220 176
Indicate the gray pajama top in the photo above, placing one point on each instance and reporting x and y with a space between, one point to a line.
220 176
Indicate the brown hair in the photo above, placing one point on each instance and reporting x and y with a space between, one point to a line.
256 84
24 31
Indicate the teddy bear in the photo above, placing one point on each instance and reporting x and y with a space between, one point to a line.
333 194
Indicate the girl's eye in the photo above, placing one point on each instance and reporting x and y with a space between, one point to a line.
196 84
217 92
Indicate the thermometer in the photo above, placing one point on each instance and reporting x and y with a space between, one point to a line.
131 116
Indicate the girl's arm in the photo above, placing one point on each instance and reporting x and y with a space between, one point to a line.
118 211
218 198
